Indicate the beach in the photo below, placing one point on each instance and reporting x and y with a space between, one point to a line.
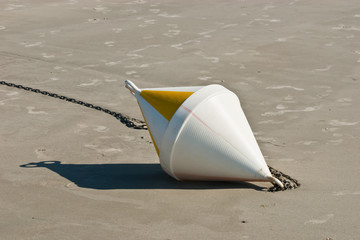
71 172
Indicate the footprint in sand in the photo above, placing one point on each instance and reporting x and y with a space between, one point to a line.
130 72
13 7
101 129
327 68
2 102
41 154
346 192
31 110
335 142
287 87
109 43
81 128
45 55
321 220
93 82
204 78
338 123
29 45
10 93
281 112
103 150
117 30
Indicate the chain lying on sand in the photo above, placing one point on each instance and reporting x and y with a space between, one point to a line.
128 121
287 181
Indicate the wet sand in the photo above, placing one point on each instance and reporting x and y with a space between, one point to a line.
70 172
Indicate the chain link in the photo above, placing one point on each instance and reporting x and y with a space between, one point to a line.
128 121
287 181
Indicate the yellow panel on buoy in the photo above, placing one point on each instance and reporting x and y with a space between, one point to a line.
165 102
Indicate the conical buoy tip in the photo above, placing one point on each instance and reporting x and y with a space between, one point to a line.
132 87
276 181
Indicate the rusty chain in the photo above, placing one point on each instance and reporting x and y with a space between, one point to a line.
287 181
126 120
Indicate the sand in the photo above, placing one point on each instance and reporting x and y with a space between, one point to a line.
70 172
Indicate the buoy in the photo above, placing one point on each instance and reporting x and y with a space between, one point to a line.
201 133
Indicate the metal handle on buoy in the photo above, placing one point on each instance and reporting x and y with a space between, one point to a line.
276 181
132 87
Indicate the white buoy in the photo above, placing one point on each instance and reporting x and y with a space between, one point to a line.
201 133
